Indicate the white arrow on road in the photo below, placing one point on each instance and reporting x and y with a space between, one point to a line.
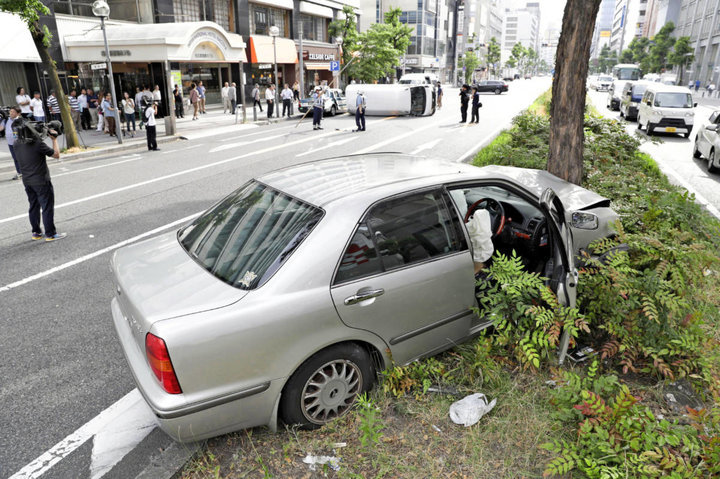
329 145
427 146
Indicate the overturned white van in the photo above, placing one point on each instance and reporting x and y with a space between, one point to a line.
395 99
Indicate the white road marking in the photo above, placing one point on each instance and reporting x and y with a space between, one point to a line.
182 149
487 139
133 157
427 146
95 254
65 447
120 436
200 168
255 134
329 145
395 138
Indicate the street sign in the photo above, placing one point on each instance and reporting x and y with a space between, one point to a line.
98 66
334 66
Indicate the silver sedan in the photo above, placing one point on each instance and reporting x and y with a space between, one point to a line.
283 300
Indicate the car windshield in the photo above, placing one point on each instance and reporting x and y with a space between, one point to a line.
246 237
605 78
410 82
673 100
638 90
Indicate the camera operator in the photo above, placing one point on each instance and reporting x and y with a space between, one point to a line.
31 152
7 127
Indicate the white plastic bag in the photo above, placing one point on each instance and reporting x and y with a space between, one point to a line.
470 409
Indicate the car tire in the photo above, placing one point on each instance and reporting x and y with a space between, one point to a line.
711 162
650 129
622 115
639 123
333 111
696 151
326 386
497 91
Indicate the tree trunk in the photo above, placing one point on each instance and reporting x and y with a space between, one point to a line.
568 90
71 135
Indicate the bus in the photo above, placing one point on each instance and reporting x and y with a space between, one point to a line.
626 71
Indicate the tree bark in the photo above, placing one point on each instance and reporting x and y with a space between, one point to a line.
71 135
568 90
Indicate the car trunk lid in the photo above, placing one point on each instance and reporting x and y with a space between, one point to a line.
156 279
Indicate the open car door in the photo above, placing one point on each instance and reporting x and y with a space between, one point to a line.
562 272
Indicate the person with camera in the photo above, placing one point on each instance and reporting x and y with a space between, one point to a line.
31 153
150 126
7 126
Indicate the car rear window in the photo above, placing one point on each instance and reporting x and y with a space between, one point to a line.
246 237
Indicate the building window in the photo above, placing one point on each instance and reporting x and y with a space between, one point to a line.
262 18
202 10
314 28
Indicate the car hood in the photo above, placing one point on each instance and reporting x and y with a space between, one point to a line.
573 197
156 279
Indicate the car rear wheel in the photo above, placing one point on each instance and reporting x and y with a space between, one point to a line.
650 129
711 162
326 386
333 111
497 91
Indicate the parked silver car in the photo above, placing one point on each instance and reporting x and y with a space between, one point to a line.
707 143
283 300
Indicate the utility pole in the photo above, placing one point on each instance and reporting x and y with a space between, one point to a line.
302 70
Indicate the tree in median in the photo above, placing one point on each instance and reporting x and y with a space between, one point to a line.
606 60
29 11
568 90
470 62
346 29
664 41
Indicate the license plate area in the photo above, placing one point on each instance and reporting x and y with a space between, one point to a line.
671 129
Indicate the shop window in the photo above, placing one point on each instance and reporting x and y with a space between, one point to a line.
119 9
314 28
262 18
203 10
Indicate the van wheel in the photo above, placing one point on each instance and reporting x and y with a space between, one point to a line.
639 123
650 129
333 111
686 134
326 386
497 91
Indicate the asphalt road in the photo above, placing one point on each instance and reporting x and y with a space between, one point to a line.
61 365
674 155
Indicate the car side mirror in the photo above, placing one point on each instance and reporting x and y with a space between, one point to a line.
695 105
585 221
711 127
629 93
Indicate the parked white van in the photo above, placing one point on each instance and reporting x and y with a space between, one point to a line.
668 109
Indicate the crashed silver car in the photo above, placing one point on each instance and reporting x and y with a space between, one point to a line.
282 301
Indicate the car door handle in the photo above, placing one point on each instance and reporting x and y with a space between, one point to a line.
363 296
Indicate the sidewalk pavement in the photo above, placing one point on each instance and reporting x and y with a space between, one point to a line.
100 144
702 98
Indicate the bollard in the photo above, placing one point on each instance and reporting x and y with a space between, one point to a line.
254 113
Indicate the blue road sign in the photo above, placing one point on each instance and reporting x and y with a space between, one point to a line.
334 66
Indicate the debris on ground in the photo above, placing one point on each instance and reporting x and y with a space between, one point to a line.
470 409
581 353
679 395
314 461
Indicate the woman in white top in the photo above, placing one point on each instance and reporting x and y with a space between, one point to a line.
128 108
37 107
23 101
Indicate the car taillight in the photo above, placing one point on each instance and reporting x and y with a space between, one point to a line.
160 363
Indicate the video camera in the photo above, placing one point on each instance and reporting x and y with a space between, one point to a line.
27 132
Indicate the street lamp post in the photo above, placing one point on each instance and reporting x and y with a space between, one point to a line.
274 32
339 41
101 9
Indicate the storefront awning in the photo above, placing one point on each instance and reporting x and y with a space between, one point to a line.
317 65
192 42
16 44
261 50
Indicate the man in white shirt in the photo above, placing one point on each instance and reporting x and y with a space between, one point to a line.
36 104
84 110
23 101
226 98
149 115
270 99
232 96
287 97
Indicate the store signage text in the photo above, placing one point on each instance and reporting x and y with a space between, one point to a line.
213 37
321 56
116 53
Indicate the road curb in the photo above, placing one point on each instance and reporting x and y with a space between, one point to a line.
170 462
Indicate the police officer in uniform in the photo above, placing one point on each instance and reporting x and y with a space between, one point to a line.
318 107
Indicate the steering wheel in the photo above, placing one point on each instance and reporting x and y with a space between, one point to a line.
496 210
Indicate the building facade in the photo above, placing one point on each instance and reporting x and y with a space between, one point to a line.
628 21
603 28
700 20
169 42
522 26
659 13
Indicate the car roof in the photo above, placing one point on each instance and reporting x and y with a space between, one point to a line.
376 176
662 88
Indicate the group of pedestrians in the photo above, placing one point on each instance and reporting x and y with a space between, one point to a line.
229 97
287 95
468 94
